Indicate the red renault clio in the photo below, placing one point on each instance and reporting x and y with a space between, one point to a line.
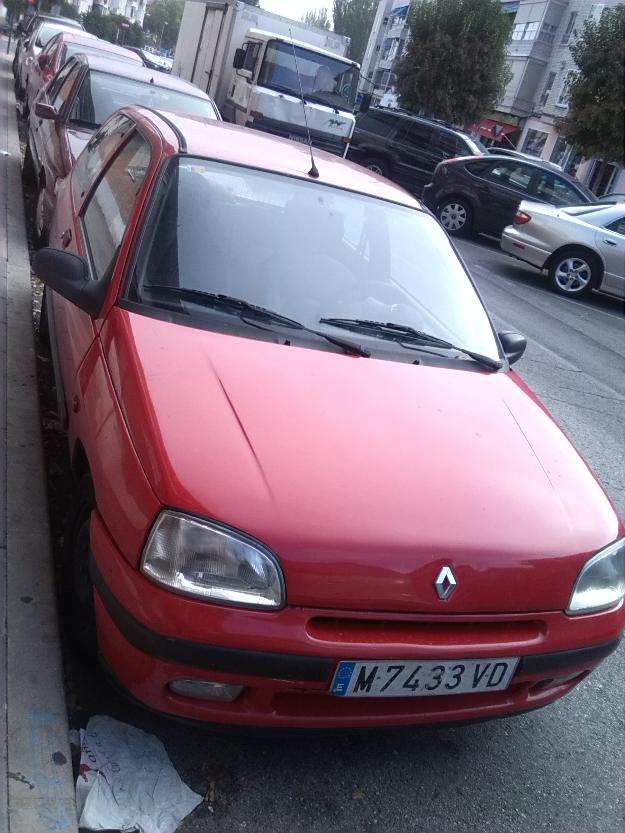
310 490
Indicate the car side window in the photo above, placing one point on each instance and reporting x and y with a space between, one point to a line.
414 134
511 175
58 81
251 49
380 124
64 91
112 203
618 226
555 190
100 147
449 145
50 46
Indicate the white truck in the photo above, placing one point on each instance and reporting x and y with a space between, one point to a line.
248 59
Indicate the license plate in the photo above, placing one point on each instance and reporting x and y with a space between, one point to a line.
294 137
422 678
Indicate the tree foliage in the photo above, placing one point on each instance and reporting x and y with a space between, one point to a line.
455 65
594 123
354 18
317 17
164 17
108 27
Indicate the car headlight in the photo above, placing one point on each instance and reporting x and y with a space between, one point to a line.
601 582
203 559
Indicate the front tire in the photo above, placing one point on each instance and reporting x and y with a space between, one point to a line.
574 273
78 603
455 216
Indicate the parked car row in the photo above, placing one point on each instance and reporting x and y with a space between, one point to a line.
473 190
279 516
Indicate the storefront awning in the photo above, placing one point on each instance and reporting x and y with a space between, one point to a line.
493 129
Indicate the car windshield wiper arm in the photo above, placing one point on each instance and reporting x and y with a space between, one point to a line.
404 333
244 309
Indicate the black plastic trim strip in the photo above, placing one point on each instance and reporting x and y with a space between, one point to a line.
288 666
536 663
202 655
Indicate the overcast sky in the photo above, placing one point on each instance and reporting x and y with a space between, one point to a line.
295 9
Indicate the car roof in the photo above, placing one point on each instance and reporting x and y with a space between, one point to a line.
54 18
535 162
102 45
237 145
406 114
138 72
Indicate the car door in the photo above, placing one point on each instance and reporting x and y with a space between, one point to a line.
413 165
500 189
48 134
611 245
96 231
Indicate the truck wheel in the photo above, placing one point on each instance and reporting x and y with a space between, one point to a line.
78 605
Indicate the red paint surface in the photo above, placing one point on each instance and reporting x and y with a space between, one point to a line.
364 476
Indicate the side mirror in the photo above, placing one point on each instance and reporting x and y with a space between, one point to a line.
45 111
239 59
513 344
43 61
365 103
68 274
25 44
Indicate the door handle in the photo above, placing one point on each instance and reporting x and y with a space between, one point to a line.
66 238
609 242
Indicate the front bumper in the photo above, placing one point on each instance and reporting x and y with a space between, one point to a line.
286 659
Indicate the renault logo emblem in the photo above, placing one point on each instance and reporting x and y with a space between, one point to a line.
445 583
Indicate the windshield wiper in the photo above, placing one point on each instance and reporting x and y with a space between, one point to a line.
404 333
244 309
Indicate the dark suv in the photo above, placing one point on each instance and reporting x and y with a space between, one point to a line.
483 194
406 148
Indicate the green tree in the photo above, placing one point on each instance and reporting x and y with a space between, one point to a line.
108 27
355 19
594 123
454 67
163 22
317 17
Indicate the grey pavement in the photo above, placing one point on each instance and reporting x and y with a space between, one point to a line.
36 782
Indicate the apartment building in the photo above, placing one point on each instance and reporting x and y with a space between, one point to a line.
536 98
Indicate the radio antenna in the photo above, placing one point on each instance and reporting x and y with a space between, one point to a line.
313 172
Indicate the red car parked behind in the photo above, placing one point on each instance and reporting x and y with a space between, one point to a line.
59 50
310 490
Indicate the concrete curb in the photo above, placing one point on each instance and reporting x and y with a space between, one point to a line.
41 795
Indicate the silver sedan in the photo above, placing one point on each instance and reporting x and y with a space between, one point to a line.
581 247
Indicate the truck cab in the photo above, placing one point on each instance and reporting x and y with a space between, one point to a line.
265 91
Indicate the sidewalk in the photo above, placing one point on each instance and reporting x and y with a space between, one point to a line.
36 783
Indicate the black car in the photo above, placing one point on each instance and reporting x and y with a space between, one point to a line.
483 194
406 148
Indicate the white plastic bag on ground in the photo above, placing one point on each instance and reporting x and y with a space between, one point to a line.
127 782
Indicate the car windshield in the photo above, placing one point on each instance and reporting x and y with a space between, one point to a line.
47 31
71 49
325 79
101 93
306 251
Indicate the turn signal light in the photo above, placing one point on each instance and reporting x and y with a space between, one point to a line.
205 690
521 217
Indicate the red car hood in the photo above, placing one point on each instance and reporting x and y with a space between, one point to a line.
364 476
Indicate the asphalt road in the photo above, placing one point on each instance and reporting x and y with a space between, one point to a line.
559 769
